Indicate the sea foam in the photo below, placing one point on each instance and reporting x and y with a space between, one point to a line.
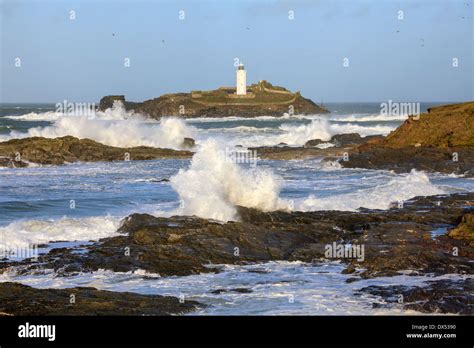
168 132
23 234
213 186
397 189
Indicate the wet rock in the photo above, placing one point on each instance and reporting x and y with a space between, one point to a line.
12 163
18 299
342 143
237 290
70 149
393 240
297 153
347 139
465 230
313 142
188 143
440 296
403 160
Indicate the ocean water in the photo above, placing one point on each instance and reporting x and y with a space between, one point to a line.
80 202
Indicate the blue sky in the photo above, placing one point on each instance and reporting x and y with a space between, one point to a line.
83 59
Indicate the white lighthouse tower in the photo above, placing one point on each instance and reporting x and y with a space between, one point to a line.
241 80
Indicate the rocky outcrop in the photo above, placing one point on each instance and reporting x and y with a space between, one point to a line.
465 230
441 140
441 296
403 160
297 153
18 299
345 140
18 152
395 240
188 143
341 144
443 126
262 99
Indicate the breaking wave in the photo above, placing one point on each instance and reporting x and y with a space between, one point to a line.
23 234
397 189
213 186
168 132
117 112
369 118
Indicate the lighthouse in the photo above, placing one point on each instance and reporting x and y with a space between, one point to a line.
241 80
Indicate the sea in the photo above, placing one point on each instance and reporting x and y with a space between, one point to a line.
78 203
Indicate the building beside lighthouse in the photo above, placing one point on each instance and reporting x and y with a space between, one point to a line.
241 80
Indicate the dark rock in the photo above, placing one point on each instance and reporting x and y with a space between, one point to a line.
297 153
465 230
440 296
403 160
394 240
314 142
346 139
188 143
11 163
238 290
108 101
71 149
18 299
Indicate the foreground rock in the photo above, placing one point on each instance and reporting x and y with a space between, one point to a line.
441 140
465 230
440 296
262 99
68 149
393 240
18 299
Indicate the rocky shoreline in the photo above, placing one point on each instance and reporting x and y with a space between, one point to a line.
441 140
428 236
396 240
17 299
17 153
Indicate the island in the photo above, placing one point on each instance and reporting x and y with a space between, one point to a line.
259 99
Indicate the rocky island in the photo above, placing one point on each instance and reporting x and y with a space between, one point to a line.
260 99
